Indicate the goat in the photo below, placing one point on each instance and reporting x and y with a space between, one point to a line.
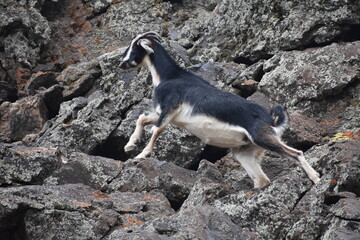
217 117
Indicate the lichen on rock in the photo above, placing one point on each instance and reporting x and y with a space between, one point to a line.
67 110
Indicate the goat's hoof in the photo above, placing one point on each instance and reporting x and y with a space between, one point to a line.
315 178
262 182
141 156
129 147
135 160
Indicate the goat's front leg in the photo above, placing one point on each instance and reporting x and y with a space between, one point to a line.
164 119
142 121
146 152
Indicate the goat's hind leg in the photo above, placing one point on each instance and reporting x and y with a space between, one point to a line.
273 143
249 157
141 122
299 155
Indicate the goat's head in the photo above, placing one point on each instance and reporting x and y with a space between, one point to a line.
140 46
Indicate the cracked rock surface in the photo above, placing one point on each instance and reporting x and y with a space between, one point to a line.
67 111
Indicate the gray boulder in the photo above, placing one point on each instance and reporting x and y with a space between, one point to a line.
139 209
173 181
72 205
293 78
303 131
221 75
196 222
40 80
24 43
22 117
152 15
79 78
249 31
268 212
93 171
75 211
27 165
82 124
200 223
347 208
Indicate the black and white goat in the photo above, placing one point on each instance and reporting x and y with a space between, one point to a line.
217 117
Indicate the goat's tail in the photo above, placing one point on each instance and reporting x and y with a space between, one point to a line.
279 117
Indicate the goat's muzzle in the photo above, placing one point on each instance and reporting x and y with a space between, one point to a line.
124 65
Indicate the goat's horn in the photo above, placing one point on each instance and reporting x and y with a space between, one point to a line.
151 34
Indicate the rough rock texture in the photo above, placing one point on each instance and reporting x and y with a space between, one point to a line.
93 171
64 97
25 165
175 182
258 29
80 128
308 75
23 117
78 79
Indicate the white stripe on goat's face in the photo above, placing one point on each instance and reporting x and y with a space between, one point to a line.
129 49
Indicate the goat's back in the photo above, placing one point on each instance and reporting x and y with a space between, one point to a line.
205 99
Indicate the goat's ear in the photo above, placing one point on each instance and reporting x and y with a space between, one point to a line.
146 44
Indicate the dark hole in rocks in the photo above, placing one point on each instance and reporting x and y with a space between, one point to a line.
188 46
51 9
113 148
243 60
12 28
245 91
176 204
331 199
210 153
12 227
248 61
52 111
303 146
351 185
174 1
259 74
350 34
98 13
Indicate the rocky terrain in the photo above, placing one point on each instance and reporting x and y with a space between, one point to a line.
67 111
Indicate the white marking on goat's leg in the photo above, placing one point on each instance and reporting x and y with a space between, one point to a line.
142 121
299 155
312 174
249 158
146 152
156 132
263 180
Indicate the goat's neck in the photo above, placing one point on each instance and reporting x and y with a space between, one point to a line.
162 67
154 73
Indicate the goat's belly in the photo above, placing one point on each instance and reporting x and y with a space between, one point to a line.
214 132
